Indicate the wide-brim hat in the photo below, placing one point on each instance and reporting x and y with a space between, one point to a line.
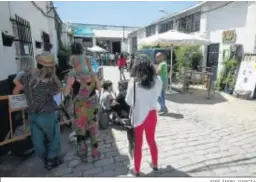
46 59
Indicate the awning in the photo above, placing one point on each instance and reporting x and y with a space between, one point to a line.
96 49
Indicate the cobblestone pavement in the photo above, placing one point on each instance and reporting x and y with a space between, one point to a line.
198 137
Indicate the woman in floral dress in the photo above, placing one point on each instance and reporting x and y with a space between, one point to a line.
86 83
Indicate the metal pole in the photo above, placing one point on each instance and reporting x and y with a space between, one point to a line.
170 74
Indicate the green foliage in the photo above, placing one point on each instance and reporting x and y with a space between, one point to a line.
188 56
228 75
150 47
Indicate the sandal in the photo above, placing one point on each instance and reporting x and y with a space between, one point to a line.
95 153
82 151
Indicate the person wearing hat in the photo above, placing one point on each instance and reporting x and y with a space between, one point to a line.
84 83
40 86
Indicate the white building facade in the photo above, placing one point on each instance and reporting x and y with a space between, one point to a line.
33 26
234 23
224 23
110 37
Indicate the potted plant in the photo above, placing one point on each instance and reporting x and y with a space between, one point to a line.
38 44
7 39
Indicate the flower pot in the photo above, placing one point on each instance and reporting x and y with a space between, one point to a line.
7 39
38 44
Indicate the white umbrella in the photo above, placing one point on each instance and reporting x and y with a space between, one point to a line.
178 38
173 38
96 49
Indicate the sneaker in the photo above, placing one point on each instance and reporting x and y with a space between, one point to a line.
53 163
155 168
165 110
133 173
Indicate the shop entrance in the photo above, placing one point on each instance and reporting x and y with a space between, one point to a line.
116 47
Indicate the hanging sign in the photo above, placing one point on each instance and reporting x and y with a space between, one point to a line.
17 102
229 36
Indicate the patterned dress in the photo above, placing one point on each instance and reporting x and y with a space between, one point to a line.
86 112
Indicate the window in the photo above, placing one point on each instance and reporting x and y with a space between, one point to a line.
196 22
190 23
22 33
151 30
46 41
164 27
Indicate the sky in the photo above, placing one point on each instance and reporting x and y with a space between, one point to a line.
124 13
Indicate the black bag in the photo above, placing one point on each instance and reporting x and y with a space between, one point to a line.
129 127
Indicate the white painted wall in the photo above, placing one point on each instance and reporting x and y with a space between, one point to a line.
38 23
140 35
238 15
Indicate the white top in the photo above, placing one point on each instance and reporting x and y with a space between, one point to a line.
105 101
145 100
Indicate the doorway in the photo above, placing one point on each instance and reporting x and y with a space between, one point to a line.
213 58
116 47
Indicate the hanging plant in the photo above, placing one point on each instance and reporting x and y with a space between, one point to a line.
7 39
38 44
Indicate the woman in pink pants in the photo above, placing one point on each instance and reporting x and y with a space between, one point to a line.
148 88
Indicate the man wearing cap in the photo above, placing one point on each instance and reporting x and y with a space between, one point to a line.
40 86
162 72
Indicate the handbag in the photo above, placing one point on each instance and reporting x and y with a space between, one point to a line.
129 127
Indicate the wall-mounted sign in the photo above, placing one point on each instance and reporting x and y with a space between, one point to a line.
229 36
82 30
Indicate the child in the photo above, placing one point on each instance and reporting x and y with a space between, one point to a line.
106 99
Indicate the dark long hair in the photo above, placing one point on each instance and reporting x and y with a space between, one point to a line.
121 55
106 84
76 48
144 71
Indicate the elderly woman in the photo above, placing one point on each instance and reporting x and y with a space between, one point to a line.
40 85
145 84
84 83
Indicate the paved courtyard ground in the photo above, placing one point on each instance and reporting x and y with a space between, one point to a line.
198 137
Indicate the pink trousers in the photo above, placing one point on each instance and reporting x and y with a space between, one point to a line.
149 126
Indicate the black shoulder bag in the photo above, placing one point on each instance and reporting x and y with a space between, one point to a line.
130 128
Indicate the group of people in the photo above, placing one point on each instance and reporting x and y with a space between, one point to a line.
41 84
107 58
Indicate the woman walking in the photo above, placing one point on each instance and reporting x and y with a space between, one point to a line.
85 101
121 64
40 86
144 114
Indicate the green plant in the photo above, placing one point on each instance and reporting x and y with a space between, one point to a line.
188 56
227 77
149 47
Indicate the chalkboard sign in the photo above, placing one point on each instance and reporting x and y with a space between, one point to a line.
17 102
